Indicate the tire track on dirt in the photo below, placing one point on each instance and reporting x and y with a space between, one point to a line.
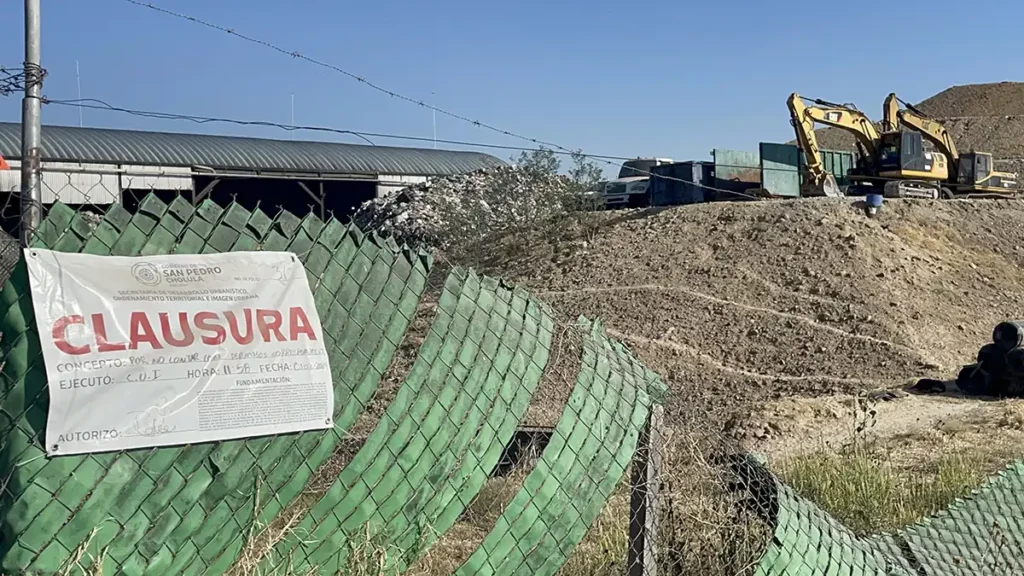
717 364
787 315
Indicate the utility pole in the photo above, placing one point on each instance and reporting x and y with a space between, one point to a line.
78 79
31 129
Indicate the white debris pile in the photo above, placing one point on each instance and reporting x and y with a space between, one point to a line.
459 210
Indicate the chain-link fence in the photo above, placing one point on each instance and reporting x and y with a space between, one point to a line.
477 431
417 440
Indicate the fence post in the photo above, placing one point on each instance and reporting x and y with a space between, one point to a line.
31 128
643 501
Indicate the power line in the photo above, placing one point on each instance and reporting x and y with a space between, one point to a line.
352 75
97 104
393 94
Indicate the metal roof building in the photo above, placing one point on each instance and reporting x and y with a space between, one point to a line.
105 146
98 166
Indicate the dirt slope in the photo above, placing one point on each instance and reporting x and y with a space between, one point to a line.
994 99
736 302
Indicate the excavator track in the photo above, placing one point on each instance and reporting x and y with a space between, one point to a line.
913 189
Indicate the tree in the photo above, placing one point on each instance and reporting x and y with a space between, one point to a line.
585 173
540 161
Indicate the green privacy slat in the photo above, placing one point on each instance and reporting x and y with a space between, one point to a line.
155 501
107 489
978 534
357 480
131 241
236 217
59 218
433 465
171 506
502 416
117 217
410 448
588 453
209 211
606 471
145 221
803 531
189 510
314 452
309 451
153 206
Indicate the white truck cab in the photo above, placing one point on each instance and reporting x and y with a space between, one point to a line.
630 188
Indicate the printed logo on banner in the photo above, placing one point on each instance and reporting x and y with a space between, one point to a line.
177 349
146 274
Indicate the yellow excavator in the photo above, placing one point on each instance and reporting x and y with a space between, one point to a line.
972 173
818 181
868 175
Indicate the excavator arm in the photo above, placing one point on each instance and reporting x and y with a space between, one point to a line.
933 131
891 114
804 117
973 172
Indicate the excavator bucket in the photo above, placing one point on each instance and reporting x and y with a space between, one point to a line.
827 187
830 187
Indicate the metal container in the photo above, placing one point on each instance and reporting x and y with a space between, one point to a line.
680 183
836 162
780 169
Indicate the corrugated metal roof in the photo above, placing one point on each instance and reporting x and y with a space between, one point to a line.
69 144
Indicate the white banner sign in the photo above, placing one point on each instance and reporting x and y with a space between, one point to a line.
163 350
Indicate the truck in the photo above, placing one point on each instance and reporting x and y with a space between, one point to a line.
630 188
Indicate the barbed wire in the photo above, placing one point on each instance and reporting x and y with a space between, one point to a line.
12 79
96 104
99 105
359 78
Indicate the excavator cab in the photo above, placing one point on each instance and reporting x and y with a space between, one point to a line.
902 155
907 169
976 170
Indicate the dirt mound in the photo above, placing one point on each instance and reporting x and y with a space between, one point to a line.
995 99
737 302
983 117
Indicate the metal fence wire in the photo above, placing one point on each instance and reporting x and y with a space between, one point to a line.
477 431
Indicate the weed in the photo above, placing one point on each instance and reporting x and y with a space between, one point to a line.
868 493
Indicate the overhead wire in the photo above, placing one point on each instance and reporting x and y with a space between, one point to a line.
375 86
97 104
358 78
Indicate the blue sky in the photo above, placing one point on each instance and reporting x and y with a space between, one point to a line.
652 78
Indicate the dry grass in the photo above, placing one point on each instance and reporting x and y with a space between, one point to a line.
82 562
603 550
870 495
869 491
703 530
